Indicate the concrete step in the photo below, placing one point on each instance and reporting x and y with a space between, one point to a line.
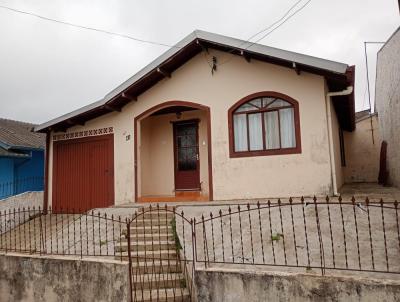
149 237
155 215
140 229
154 245
142 221
156 281
156 267
148 255
162 295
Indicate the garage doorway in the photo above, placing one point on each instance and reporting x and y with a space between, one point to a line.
83 174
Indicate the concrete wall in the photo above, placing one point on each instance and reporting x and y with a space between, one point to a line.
156 160
362 148
233 178
61 280
387 96
232 286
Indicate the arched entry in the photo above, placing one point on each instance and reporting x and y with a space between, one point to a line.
166 159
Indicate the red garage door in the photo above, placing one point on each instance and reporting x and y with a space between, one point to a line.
83 173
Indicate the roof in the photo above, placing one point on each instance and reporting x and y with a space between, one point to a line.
19 135
8 153
337 75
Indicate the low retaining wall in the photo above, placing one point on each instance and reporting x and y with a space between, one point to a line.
55 279
21 201
236 285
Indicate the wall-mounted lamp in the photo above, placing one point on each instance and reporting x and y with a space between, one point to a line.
178 115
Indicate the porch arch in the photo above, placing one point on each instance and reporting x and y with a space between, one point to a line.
165 105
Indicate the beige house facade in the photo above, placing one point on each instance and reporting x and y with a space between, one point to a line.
209 120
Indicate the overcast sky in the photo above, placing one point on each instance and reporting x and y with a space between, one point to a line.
48 69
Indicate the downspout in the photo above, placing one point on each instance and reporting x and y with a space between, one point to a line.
347 91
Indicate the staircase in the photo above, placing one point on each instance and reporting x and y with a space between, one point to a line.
157 273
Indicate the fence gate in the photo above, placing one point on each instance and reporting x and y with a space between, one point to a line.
159 245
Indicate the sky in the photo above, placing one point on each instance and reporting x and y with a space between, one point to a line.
49 69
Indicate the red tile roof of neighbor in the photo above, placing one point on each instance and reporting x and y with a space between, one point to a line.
19 135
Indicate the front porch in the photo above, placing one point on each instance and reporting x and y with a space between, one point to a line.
173 154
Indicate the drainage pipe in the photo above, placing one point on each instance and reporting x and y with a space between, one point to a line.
347 91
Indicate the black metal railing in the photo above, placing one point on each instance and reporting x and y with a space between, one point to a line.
349 236
162 247
61 232
21 185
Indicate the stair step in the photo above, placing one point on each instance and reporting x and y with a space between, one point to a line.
151 222
140 255
155 281
149 237
157 267
139 229
154 214
162 295
154 245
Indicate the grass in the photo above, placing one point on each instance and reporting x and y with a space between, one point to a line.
276 237
175 234
103 242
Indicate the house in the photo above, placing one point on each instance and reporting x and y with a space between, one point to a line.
387 100
362 149
21 158
213 118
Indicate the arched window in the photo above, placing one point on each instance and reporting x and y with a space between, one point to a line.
264 123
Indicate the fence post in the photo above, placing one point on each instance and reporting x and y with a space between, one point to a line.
194 251
321 246
128 238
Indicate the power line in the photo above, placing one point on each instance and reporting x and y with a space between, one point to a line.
87 27
276 22
285 18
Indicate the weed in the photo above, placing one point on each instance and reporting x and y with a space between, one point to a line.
174 233
276 237
103 242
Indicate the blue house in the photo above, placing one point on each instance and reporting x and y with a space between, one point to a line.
21 158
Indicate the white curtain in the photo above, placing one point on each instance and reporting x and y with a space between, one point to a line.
288 137
255 132
271 129
240 131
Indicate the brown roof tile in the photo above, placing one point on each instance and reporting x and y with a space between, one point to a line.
16 134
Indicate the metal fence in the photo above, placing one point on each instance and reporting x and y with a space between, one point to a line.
21 185
348 236
162 247
61 232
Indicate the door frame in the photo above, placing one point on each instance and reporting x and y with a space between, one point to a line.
155 108
188 122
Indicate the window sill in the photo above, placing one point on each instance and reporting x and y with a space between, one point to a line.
296 150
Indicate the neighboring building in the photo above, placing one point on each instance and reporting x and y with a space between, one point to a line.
214 118
387 96
21 158
362 147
